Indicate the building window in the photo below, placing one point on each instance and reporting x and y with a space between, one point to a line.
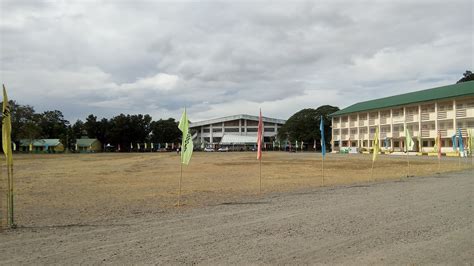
252 129
232 129
232 123
205 130
269 129
217 130
207 139
252 123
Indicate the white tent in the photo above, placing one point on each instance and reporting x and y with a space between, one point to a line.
238 139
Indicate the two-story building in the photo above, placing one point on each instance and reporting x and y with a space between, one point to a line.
424 113
238 130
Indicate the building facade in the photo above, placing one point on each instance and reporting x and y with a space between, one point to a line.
424 113
87 145
41 145
211 132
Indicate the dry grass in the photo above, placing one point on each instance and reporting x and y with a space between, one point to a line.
88 188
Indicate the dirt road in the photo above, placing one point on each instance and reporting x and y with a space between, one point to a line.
422 220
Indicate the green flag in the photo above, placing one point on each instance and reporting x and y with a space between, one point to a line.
409 144
187 142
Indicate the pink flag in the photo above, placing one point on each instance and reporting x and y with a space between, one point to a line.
259 136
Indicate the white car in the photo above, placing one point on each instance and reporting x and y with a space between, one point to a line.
209 149
223 149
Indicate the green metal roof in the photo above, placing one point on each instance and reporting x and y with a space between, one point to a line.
85 142
40 142
449 91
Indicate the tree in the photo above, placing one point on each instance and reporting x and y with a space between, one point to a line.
467 76
25 122
165 131
304 125
78 130
53 125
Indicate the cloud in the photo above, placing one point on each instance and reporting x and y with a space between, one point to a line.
225 57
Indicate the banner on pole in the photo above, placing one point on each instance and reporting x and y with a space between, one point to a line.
323 142
187 142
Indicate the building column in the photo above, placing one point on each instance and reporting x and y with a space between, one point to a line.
404 125
391 129
419 128
455 124
245 127
436 117
210 134
240 126
202 134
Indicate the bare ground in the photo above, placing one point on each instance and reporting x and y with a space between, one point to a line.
422 220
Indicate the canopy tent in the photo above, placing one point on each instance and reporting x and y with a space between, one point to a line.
238 140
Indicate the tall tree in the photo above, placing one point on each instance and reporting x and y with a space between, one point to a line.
304 125
165 131
53 125
467 76
25 122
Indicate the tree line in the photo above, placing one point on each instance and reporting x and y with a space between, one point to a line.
126 129
304 125
118 130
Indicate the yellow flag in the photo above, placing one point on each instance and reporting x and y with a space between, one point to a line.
376 144
187 145
6 128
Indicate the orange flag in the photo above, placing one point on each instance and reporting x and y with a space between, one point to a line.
259 136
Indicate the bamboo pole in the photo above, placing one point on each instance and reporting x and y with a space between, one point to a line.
9 203
322 172
408 164
260 163
12 217
180 177
372 172
439 165
1 200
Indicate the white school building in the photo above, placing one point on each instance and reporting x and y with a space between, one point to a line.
240 130
424 113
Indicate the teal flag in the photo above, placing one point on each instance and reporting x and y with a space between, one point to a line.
461 144
323 142
187 142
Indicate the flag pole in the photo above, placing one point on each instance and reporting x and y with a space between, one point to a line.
1 200
439 165
180 177
322 170
372 172
260 175
12 217
408 164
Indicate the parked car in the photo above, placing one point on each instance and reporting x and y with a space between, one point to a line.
209 149
223 149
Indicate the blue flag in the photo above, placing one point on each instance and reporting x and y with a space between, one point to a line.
461 146
453 138
323 143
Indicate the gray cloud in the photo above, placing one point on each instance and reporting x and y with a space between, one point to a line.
219 58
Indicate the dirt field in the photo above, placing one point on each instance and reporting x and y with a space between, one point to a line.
72 189
107 212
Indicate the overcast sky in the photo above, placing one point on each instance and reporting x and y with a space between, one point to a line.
227 57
